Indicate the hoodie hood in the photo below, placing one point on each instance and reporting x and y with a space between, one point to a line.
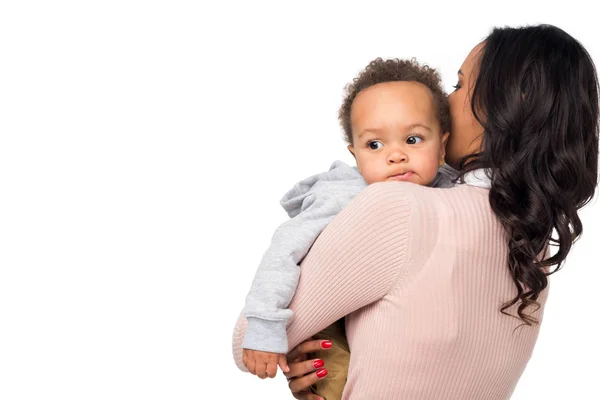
326 182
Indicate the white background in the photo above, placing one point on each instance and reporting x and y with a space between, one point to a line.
144 147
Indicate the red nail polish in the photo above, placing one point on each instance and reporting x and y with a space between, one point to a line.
322 373
326 344
318 363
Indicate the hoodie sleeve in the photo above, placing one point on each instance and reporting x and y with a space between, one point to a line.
312 204
361 255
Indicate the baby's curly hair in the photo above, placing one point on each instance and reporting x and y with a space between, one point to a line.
381 71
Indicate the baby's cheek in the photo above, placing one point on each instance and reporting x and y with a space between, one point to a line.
372 177
430 168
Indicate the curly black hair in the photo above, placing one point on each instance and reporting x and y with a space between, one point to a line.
392 70
540 143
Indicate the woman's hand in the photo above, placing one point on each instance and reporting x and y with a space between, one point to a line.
303 373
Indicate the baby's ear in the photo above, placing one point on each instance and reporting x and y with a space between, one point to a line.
445 139
443 149
351 150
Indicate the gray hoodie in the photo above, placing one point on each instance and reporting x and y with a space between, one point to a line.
311 205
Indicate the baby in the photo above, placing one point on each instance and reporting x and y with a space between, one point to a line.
396 121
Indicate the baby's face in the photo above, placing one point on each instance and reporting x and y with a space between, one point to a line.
396 133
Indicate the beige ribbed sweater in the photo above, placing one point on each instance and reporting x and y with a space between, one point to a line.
420 274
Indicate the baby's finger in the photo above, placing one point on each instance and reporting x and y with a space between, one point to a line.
261 370
283 364
271 370
251 366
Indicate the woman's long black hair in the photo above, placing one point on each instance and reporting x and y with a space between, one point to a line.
536 95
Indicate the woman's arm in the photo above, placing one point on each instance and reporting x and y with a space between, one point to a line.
354 262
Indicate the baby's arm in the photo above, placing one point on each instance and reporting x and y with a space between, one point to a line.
312 204
277 276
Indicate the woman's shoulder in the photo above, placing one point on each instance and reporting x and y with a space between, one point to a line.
449 204
413 193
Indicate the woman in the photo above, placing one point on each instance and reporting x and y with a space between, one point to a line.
444 290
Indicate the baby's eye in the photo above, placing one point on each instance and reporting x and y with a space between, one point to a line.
414 140
375 145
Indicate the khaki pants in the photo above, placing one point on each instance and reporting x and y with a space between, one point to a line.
336 360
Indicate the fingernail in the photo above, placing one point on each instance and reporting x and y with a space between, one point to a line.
322 373
326 344
318 363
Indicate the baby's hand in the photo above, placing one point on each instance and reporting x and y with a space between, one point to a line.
263 364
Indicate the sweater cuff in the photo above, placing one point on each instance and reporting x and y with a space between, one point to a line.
266 335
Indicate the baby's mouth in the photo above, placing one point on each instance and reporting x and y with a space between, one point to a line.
402 177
